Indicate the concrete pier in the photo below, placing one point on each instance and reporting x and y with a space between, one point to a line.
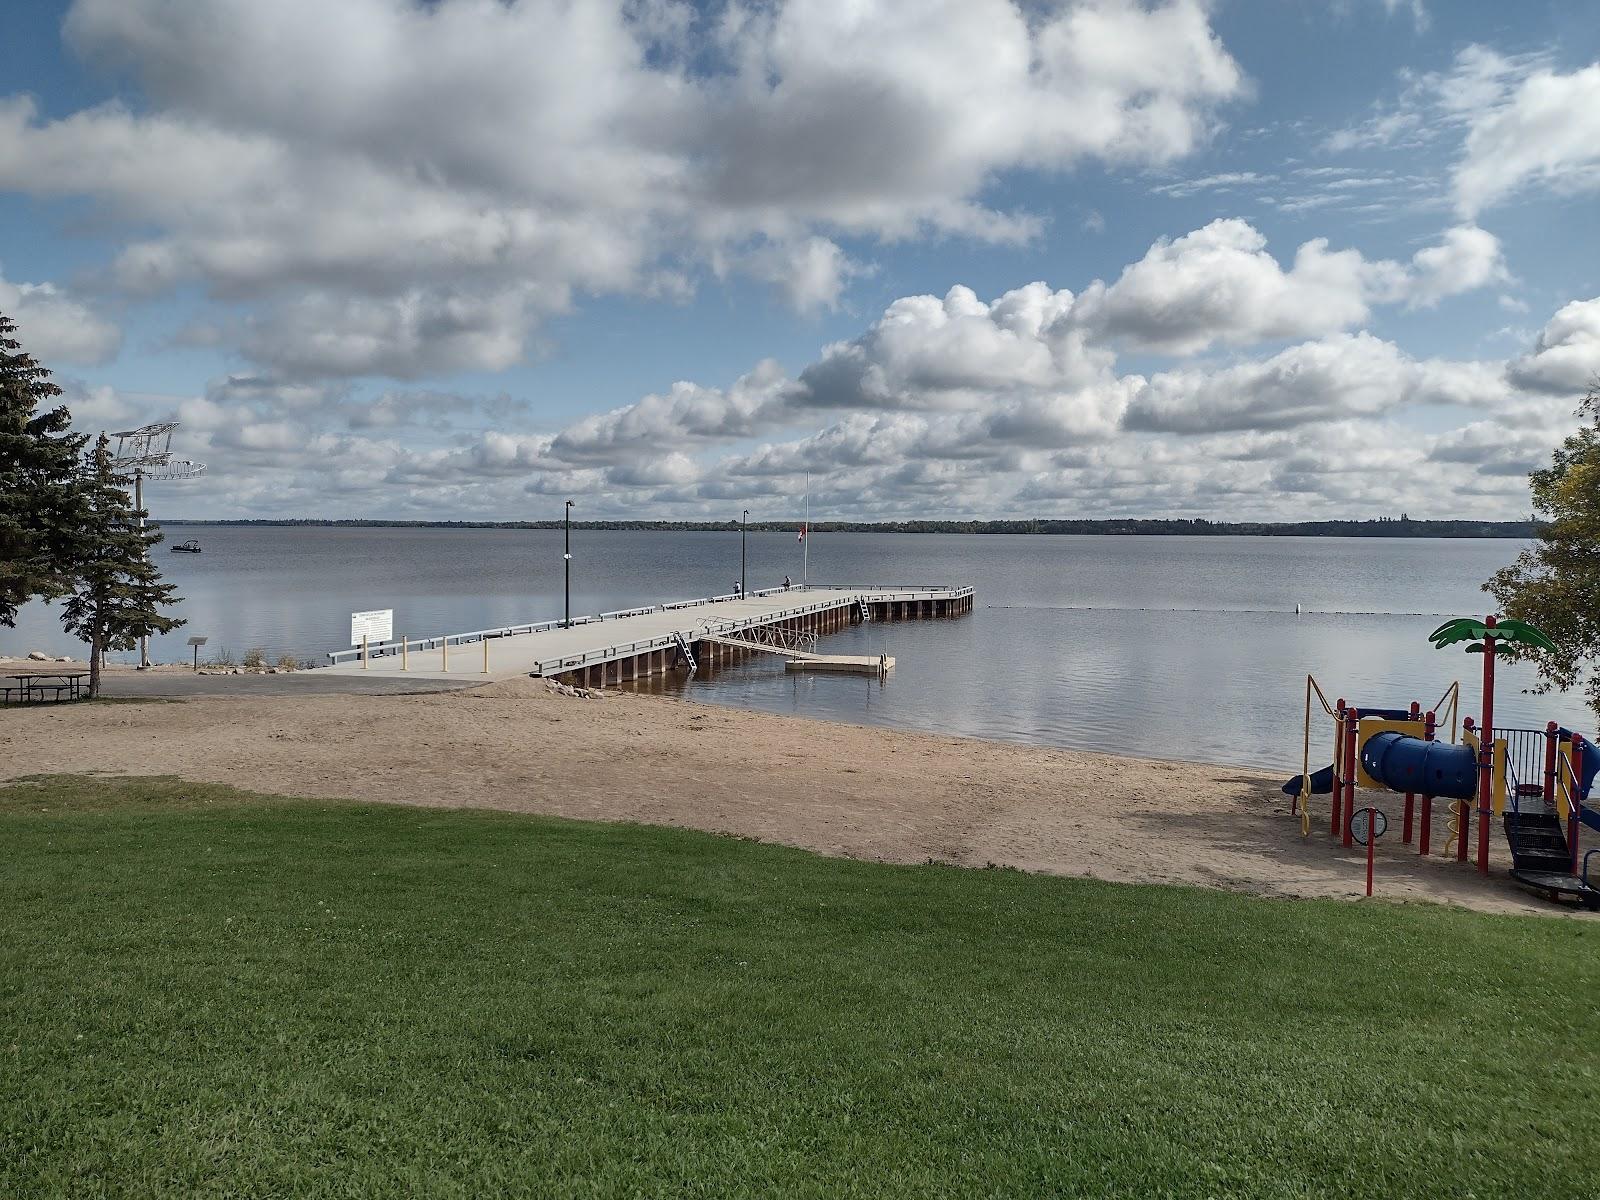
637 643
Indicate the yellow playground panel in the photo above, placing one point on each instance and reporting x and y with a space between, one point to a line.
1470 737
1368 727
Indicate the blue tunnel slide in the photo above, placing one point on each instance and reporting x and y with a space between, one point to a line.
1409 764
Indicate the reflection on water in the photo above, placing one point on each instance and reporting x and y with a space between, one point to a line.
1171 647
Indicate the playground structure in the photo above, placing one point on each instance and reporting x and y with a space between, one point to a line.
1537 781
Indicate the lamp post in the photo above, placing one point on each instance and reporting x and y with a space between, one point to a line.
566 559
744 524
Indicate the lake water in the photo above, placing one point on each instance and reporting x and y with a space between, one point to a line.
1177 647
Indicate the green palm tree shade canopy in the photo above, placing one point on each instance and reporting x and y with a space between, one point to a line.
1506 634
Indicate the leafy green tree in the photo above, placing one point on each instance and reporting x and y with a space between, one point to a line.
1555 583
117 594
41 506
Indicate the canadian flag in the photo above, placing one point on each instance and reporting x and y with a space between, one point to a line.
802 536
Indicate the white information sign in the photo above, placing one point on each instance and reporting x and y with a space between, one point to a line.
376 626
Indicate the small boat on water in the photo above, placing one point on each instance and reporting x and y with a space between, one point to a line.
189 547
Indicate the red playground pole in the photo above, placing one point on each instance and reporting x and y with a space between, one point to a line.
1486 751
1425 834
1465 821
1372 840
1352 728
1338 769
1405 829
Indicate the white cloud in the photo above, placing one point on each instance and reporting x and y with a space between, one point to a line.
472 166
1566 356
1339 377
811 274
1226 181
1521 122
1545 131
687 414
55 327
1467 259
1494 449
1219 284
97 408
422 331
928 353
1418 10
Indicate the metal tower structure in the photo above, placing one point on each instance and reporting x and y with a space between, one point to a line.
146 453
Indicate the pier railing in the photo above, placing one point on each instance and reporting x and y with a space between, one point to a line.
380 649
892 591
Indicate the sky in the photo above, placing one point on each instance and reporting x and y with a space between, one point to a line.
469 259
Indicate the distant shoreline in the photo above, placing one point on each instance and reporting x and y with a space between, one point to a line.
1383 527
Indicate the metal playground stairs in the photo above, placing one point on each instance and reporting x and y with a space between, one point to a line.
1541 855
1541 858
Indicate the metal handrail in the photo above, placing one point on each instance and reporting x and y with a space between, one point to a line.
1303 799
379 649
1452 694
966 589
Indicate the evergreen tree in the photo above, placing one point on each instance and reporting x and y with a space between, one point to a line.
1555 584
117 594
41 507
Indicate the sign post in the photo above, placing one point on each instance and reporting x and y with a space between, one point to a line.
196 643
1366 827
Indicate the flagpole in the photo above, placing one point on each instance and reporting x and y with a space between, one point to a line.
805 546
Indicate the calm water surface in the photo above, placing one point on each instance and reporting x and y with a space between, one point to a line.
1169 647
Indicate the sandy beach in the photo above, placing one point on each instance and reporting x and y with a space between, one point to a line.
867 793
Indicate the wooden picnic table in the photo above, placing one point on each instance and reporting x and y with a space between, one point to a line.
41 687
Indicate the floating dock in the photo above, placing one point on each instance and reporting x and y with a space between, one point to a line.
796 659
636 643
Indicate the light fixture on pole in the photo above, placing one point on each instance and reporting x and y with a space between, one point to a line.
567 561
744 524
146 453
805 537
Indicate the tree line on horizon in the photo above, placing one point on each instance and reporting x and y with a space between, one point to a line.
1122 526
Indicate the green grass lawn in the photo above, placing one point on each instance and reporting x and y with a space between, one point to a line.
203 991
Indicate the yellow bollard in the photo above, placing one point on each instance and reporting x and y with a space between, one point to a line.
485 642
363 652
402 652
444 653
